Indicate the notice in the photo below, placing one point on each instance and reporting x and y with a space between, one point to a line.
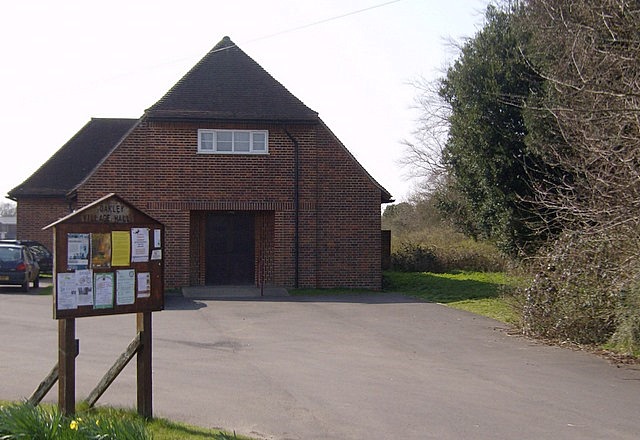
157 234
144 285
77 251
156 254
120 248
125 286
100 250
66 292
103 293
139 245
84 285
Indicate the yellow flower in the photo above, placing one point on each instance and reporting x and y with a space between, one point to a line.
74 425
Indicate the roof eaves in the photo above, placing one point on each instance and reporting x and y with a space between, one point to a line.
73 191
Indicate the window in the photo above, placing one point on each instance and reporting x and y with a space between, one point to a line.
233 141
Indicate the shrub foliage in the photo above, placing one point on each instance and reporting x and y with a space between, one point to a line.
25 421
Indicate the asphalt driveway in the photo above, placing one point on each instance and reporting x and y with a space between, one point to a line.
377 366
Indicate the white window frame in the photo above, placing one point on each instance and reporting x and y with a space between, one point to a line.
213 148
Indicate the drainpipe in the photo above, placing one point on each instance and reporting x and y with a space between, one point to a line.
296 206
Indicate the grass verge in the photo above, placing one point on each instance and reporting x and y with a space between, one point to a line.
477 292
20 420
482 293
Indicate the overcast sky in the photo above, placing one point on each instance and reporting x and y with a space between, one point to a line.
66 61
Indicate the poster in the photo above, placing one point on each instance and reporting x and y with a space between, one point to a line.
144 285
120 248
77 251
100 250
103 290
84 286
125 286
66 293
139 245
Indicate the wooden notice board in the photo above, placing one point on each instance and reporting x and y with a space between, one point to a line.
108 259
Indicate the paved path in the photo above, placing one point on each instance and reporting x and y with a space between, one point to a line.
349 367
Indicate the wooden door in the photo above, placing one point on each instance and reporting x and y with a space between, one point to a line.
230 249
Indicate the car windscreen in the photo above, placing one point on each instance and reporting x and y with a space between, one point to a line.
10 254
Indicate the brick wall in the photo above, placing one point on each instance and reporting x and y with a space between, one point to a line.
158 169
35 213
349 220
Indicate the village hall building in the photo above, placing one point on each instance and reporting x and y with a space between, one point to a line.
252 187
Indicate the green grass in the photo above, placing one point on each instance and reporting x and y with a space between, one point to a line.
481 293
18 420
45 291
163 429
476 292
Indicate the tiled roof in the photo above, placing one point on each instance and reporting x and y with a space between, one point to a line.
228 85
75 160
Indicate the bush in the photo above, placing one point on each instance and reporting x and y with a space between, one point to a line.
420 257
574 294
626 338
415 258
422 241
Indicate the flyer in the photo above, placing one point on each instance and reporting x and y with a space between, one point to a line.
103 290
77 251
100 250
144 285
84 285
120 248
125 286
139 245
66 293
157 234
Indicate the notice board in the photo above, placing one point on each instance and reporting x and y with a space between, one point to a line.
108 259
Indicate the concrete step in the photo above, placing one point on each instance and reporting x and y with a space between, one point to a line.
226 292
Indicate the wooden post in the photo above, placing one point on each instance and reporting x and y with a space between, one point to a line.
67 366
145 396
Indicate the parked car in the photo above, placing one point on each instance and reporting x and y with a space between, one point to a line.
18 266
43 256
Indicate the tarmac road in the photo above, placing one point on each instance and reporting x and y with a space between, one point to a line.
371 366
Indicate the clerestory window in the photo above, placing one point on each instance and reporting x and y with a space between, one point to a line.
233 141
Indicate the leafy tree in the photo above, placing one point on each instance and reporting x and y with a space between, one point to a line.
490 168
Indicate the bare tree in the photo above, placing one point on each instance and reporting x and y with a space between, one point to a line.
589 54
590 57
423 154
7 209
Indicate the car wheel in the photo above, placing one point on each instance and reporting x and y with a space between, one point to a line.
25 286
36 282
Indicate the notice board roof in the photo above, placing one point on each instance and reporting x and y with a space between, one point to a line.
110 209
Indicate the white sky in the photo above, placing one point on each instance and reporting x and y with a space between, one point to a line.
66 61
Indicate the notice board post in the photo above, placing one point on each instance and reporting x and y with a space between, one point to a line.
144 381
67 366
108 259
